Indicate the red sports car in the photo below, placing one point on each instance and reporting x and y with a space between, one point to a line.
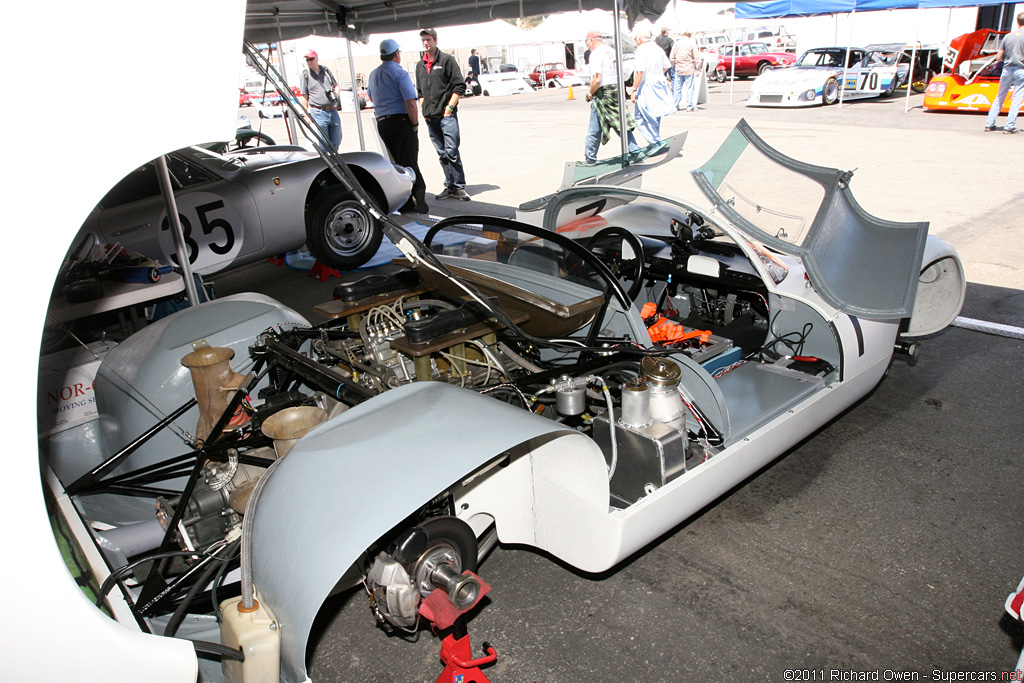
751 58
554 75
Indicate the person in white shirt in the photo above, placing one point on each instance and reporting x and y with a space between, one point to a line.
651 92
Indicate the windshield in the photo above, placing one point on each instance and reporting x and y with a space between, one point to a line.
773 197
858 263
757 48
821 58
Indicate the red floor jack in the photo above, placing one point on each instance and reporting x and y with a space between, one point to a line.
455 649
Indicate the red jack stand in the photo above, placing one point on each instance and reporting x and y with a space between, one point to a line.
322 272
276 260
459 666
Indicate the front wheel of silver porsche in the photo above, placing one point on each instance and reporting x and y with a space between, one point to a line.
342 234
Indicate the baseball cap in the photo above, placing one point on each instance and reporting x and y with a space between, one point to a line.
429 32
593 35
388 46
311 53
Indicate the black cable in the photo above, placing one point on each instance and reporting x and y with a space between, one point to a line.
116 575
204 578
218 580
221 651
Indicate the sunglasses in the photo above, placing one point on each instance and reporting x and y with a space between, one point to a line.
310 59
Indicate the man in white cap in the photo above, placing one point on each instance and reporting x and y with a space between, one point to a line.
398 120
318 93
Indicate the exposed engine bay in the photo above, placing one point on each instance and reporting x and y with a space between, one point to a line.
576 356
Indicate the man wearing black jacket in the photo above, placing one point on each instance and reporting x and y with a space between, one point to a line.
440 85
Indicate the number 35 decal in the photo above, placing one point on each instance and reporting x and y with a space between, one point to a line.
214 241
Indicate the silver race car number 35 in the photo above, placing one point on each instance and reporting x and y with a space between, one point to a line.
209 228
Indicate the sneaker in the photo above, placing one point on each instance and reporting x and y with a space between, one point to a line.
989 129
1009 131
445 194
459 193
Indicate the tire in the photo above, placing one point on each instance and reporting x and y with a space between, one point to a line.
830 91
919 85
763 67
892 86
721 75
342 234
453 533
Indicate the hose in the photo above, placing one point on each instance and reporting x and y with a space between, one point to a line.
179 613
247 523
222 651
611 425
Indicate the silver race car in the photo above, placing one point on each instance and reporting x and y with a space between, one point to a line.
245 205
580 381
816 75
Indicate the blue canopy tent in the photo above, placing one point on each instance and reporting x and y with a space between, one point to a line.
781 9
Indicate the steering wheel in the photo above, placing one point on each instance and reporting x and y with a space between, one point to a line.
631 270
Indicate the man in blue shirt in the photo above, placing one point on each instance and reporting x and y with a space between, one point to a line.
394 104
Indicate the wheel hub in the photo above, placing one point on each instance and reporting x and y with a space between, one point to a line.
347 228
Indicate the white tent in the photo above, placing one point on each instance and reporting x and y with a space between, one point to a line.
572 26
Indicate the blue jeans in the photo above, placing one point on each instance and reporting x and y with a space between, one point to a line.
1012 76
649 126
329 123
684 85
592 141
444 133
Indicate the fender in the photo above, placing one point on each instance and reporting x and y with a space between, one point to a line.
353 478
941 289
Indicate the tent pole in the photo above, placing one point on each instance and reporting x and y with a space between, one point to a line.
732 74
355 95
846 60
163 176
293 135
913 60
617 37
945 44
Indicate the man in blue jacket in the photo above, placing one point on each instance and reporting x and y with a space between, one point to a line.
440 85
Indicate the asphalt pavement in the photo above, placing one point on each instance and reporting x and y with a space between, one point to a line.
881 548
